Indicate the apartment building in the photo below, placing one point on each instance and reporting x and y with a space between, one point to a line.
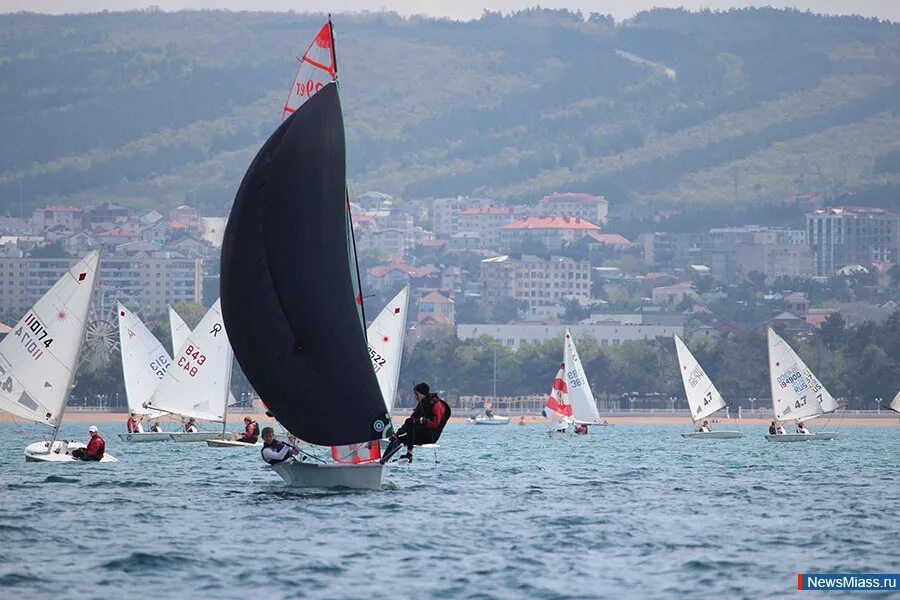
852 235
594 209
534 280
145 282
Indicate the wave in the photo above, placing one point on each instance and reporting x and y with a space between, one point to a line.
142 561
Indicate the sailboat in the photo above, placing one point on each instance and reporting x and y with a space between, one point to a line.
39 357
179 330
895 403
144 366
488 417
796 393
571 400
198 381
290 287
702 395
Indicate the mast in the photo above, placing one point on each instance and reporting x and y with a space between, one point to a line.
62 409
227 394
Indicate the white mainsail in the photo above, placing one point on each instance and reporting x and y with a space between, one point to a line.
895 403
702 396
197 383
796 392
144 361
39 356
180 330
584 407
386 335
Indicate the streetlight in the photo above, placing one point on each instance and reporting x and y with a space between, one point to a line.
752 402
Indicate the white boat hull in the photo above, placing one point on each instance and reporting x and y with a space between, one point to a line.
231 444
62 452
713 435
145 437
565 435
200 436
789 437
824 435
497 420
366 476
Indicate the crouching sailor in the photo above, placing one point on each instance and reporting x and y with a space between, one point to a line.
95 447
424 425
273 451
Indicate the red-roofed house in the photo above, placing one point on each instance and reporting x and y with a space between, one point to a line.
549 232
398 273
594 209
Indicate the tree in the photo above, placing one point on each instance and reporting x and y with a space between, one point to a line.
832 331
506 309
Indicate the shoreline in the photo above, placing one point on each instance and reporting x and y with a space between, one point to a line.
236 419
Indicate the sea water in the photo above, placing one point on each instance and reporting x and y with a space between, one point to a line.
628 512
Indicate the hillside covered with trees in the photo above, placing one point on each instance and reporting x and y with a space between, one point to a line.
670 108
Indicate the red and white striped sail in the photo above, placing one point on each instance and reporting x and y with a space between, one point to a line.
317 68
558 408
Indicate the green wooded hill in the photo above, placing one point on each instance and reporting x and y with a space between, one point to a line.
671 108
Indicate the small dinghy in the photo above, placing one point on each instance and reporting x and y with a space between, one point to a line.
571 406
702 396
796 392
39 356
291 293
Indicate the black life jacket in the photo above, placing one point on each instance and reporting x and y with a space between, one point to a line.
772 430
277 446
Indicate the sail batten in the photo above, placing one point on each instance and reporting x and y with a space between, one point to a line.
288 297
702 396
796 392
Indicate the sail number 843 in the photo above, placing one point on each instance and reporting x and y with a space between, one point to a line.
191 360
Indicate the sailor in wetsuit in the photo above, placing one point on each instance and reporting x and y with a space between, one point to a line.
273 451
424 425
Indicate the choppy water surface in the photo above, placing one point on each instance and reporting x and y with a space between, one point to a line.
633 511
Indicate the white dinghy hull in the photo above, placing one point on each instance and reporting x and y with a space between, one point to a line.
713 435
366 476
565 435
62 452
824 435
200 436
148 436
231 444
789 437
490 421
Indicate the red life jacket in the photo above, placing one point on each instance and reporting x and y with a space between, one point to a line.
95 448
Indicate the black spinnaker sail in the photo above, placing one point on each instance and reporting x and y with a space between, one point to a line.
288 297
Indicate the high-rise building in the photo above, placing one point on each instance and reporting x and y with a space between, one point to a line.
534 280
852 235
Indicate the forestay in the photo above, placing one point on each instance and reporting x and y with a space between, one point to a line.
317 68
40 354
584 407
144 361
197 383
796 392
702 396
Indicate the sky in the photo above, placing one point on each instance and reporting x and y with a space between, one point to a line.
455 9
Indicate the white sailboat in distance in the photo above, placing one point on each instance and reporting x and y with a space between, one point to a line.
144 365
197 384
38 359
796 393
571 400
702 396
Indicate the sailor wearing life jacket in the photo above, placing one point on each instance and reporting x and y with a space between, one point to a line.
273 451
251 431
424 425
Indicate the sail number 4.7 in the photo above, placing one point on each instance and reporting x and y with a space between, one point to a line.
191 360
